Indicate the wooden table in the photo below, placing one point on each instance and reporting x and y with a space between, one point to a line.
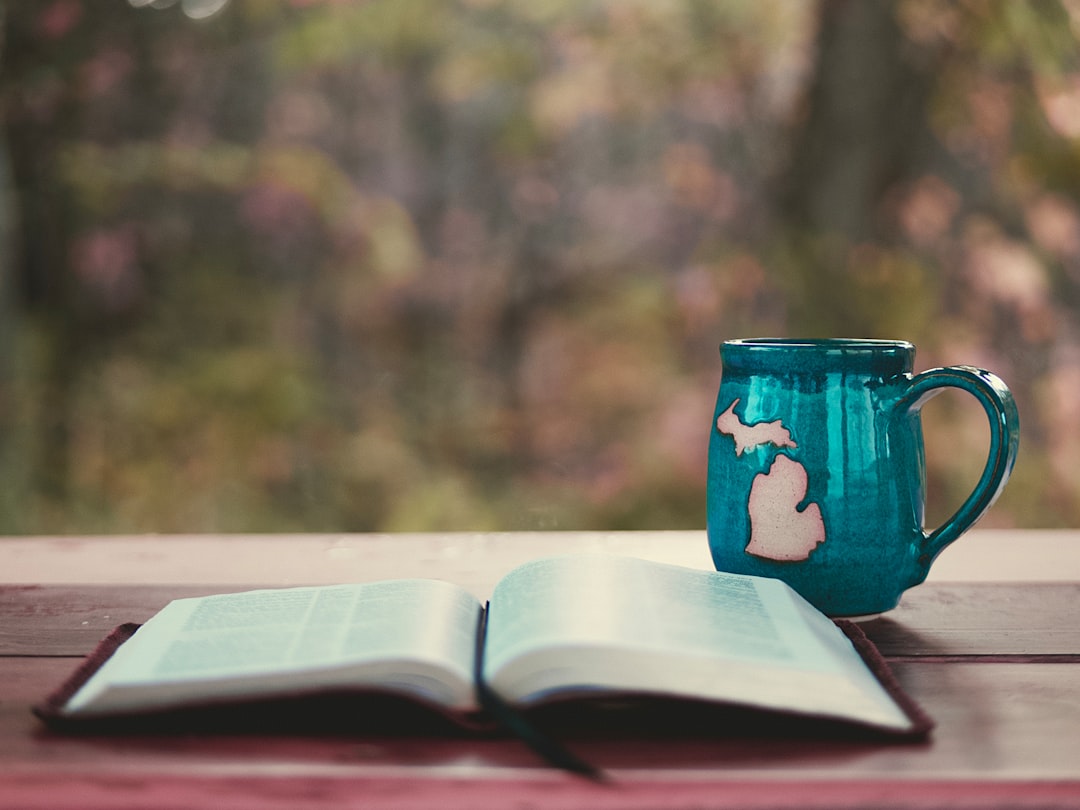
990 647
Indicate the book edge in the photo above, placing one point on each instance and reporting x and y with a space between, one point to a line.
921 722
51 709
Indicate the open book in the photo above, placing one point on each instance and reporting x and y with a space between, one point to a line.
577 626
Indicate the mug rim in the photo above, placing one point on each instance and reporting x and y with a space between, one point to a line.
809 344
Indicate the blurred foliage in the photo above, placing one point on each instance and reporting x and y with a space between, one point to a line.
276 265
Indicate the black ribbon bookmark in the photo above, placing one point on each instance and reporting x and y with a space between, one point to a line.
553 752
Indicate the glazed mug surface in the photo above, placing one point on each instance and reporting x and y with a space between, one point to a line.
817 467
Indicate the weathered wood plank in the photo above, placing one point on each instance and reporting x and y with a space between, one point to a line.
386 791
981 619
469 558
1013 727
472 559
935 619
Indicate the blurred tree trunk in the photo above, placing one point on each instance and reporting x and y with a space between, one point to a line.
52 105
863 132
39 280
7 316
46 113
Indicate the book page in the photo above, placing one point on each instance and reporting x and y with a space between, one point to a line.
596 622
413 636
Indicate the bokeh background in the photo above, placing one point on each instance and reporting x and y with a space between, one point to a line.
290 265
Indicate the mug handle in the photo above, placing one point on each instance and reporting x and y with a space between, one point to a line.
1000 408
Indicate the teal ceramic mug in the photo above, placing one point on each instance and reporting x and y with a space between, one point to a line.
817 467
